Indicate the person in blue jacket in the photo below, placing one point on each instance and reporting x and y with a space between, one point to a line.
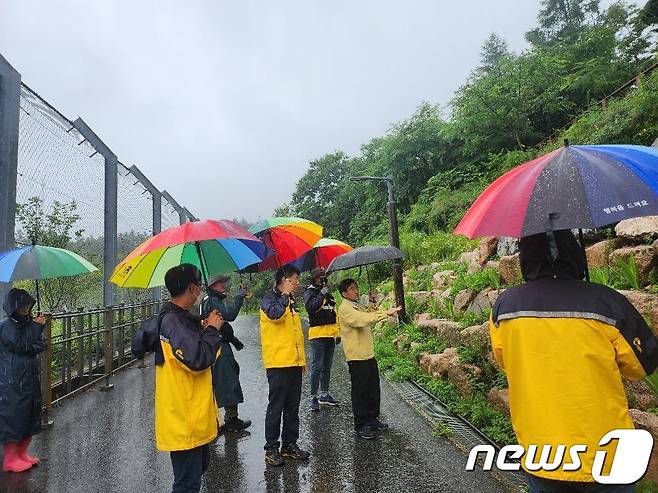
226 370
21 340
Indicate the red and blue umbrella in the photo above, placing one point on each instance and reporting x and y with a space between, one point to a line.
574 187
322 254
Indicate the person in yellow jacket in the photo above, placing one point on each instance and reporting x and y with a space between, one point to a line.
323 337
282 344
356 324
186 415
565 345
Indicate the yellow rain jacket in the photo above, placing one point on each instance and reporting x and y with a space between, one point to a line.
356 325
186 415
281 336
565 346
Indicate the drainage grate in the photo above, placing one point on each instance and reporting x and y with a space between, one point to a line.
462 433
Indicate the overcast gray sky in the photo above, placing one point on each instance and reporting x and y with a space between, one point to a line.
224 103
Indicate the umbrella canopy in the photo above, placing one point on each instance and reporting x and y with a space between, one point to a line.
574 187
322 254
288 238
41 262
364 256
215 247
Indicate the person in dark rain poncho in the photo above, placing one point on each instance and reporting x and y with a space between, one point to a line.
21 340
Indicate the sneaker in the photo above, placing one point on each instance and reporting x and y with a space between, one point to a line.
236 424
292 451
379 426
273 457
314 403
328 400
366 432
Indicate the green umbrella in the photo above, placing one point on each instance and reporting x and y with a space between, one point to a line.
41 262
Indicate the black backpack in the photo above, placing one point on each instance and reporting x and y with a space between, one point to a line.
147 339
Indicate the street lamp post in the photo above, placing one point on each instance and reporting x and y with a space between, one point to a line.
395 241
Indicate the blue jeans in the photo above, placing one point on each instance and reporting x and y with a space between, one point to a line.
322 350
541 485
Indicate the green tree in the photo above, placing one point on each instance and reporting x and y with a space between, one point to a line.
562 21
56 228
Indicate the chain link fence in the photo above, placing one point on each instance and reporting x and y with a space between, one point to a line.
70 191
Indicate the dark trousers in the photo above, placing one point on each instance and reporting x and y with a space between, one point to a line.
365 392
322 349
541 485
189 466
285 392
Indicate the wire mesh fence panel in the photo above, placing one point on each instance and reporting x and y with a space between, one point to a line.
170 217
59 196
134 225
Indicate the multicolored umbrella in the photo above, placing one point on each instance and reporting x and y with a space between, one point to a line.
288 238
215 247
41 262
574 187
321 254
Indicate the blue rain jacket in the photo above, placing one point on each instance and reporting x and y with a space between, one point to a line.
226 371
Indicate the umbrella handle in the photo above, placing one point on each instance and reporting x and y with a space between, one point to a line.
36 282
202 261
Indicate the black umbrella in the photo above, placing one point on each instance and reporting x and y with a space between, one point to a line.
364 256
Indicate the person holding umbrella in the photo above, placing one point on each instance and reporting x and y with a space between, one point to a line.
356 324
186 414
282 344
565 345
323 336
21 340
226 370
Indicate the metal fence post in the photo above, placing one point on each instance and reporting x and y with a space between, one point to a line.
10 101
182 215
111 206
80 324
109 347
157 211
46 374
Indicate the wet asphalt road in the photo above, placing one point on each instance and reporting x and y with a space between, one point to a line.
103 441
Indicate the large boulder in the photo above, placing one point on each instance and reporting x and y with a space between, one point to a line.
648 421
420 297
442 279
477 334
442 328
598 255
641 395
638 227
645 303
507 246
510 268
472 261
488 247
447 365
463 299
645 259
499 399
485 300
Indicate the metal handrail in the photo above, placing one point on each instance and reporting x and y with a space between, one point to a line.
88 347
